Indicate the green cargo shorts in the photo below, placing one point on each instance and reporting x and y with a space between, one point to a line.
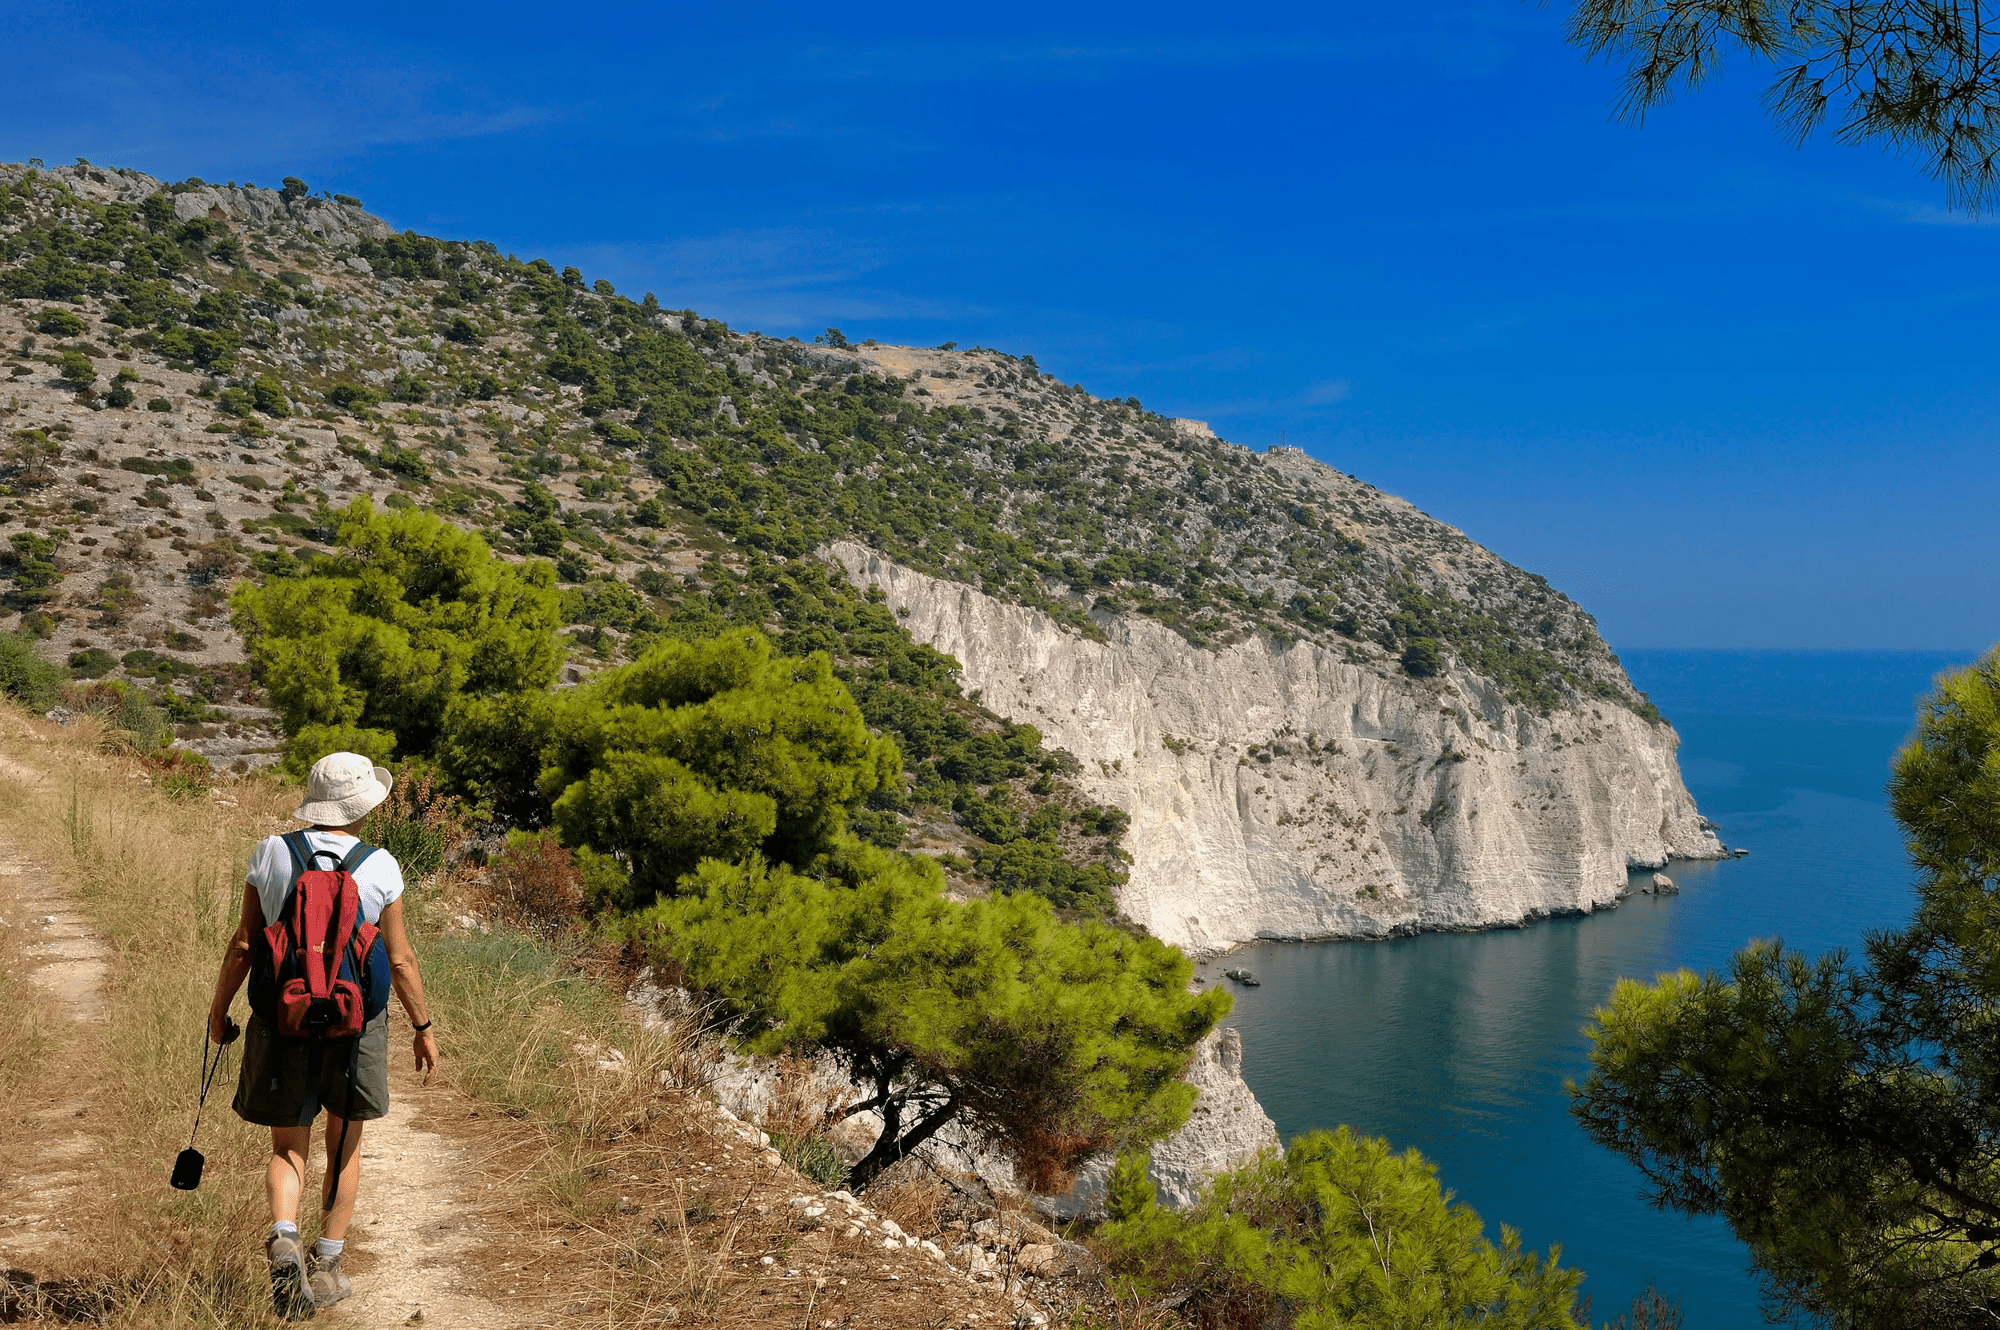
272 1090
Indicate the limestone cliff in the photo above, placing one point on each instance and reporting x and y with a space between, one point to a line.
1227 1127
1295 792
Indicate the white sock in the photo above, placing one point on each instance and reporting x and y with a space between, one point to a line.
328 1248
284 1228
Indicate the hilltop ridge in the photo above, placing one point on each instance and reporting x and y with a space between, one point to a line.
204 374
972 464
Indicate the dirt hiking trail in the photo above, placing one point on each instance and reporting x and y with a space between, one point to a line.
416 1221
63 959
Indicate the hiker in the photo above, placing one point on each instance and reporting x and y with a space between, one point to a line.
287 1079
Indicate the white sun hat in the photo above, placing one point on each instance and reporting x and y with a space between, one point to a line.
343 788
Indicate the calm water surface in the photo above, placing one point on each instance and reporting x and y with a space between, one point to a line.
1458 1044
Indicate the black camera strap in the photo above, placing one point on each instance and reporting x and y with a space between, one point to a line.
187 1166
209 1072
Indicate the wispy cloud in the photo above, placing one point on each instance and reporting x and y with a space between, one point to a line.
1057 58
255 104
1927 214
771 278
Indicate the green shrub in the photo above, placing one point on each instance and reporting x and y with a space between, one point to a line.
1339 1231
491 748
405 462
177 468
29 562
1039 865
269 396
419 849
25 676
92 663
75 367
545 538
159 404
348 396
180 786
60 323
1422 658
133 718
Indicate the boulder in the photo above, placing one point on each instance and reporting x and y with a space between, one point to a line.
1035 1257
1664 885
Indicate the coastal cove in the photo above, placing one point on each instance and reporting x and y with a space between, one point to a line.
1458 1044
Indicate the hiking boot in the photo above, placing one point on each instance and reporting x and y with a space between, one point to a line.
289 1296
324 1280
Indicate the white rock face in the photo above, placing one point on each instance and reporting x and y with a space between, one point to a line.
1377 803
1227 1127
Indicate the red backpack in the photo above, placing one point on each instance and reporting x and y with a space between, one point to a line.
313 976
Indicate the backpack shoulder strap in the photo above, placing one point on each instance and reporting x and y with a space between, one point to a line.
302 852
355 857
304 856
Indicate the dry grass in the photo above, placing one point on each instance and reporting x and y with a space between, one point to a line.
161 881
630 1202
28 1026
918 1203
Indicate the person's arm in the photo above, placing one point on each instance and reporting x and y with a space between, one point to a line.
409 985
235 962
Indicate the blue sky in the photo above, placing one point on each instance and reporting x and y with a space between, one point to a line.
1723 392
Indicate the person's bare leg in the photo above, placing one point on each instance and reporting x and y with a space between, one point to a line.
333 1223
285 1175
284 1179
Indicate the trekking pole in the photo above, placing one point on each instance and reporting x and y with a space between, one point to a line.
187 1165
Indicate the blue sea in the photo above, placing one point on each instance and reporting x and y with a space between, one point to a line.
1459 1044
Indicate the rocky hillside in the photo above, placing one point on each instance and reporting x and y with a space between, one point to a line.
201 373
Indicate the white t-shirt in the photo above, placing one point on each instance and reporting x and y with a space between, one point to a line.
380 877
